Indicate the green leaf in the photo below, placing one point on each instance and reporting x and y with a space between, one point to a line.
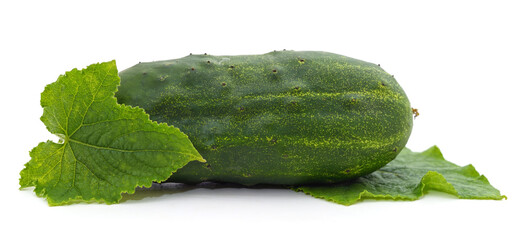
105 148
408 177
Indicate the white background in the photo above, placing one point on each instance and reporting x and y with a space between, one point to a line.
456 60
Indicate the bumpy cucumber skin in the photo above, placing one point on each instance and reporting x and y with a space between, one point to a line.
285 117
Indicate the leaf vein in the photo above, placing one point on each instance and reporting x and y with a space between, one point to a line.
95 175
106 121
130 151
136 131
53 166
93 100
53 114
61 166
71 108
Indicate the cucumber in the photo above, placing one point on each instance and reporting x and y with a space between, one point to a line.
285 117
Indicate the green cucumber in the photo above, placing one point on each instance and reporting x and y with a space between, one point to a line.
285 117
